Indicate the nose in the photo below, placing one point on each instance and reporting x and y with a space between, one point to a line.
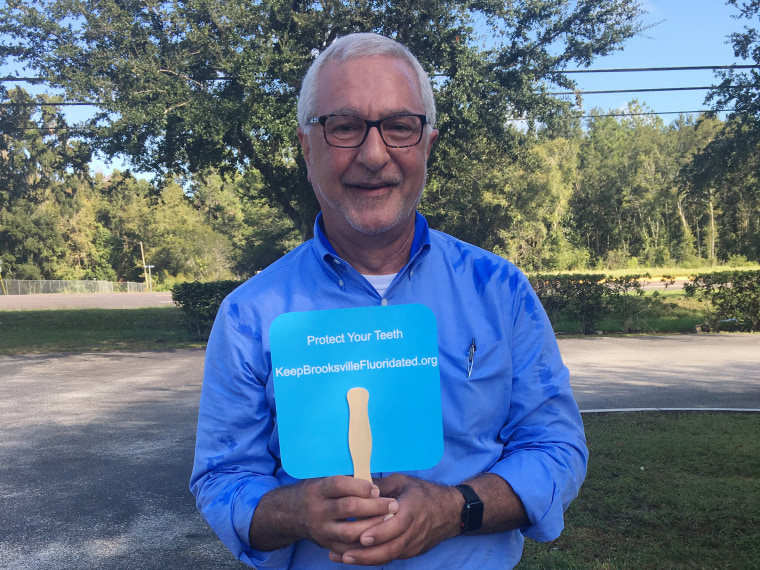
373 154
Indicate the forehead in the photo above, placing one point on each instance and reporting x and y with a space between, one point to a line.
372 86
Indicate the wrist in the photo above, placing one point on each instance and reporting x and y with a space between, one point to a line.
471 516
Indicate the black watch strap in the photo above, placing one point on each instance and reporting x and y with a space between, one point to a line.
472 512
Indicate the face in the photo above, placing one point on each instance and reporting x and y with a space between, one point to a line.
371 189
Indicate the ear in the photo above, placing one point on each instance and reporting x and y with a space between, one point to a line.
303 138
430 142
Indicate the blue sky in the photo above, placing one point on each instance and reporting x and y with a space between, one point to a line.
682 33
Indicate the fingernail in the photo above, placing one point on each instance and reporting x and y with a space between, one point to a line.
334 557
375 491
388 517
393 506
349 560
368 541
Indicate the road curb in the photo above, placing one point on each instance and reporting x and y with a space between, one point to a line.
623 410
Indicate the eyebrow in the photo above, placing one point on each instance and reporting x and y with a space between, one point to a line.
356 113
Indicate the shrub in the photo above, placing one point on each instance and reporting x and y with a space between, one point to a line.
733 296
588 298
200 303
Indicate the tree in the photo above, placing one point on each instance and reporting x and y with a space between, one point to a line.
724 174
183 85
739 90
38 163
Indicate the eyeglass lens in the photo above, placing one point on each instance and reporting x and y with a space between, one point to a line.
348 131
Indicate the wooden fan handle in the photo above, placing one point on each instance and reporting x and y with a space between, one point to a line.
359 433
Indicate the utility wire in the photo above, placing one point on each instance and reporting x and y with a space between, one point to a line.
599 92
611 70
648 90
637 69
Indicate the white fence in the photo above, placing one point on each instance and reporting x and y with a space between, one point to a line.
29 287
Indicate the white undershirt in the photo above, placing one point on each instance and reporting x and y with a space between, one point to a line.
380 282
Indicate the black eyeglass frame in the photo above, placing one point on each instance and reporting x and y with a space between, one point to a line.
322 119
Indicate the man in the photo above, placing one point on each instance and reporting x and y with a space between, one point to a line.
512 431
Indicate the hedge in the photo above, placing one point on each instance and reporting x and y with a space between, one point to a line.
733 299
200 303
588 298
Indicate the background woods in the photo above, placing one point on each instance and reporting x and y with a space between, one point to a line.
201 95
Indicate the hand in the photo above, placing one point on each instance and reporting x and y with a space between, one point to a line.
427 514
318 510
339 509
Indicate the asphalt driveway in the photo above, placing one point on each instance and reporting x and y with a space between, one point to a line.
96 449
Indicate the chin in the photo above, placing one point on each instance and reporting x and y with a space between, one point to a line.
376 225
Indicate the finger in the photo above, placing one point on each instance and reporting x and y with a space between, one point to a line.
345 535
373 555
392 485
343 486
357 507
391 527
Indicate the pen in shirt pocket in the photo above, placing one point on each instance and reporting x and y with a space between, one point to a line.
471 357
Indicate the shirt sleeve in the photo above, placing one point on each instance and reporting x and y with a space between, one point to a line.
545 455
233 465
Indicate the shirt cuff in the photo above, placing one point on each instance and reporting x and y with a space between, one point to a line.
532 481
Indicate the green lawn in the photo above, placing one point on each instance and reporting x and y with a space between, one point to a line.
664 491
63 330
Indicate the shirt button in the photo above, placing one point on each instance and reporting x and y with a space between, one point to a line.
340 282
336 261
384 302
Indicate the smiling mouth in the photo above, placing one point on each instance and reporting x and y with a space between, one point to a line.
372 186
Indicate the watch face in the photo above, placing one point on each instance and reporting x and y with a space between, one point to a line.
474 516
472 513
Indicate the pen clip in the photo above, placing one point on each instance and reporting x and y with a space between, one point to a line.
471 356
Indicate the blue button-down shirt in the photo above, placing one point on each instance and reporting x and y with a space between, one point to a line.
514 415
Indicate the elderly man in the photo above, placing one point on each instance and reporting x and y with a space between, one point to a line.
514 449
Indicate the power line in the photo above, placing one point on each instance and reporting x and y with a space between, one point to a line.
637 69
647 90
657 113
595 92
35 104
610 70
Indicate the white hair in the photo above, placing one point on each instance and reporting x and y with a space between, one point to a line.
362 45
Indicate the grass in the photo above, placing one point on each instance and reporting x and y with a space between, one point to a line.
661 312
663 491
657 272
63 330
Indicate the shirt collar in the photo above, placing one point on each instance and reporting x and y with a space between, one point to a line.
420 242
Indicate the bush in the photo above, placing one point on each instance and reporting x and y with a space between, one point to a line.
200 303
733 296
588 298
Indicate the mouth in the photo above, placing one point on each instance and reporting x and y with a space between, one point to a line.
372 186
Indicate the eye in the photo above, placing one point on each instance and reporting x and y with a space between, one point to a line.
344 126
399 126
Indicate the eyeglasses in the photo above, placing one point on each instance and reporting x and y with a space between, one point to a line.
347 131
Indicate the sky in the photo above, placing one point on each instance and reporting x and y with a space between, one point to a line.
681 33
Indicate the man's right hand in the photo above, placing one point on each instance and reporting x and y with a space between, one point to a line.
331 512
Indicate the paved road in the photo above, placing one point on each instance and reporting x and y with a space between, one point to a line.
95 449
84 301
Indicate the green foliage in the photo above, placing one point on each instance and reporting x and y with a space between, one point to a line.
587 299
734 298
186 86
200 302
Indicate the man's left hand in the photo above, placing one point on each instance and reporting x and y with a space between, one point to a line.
428 514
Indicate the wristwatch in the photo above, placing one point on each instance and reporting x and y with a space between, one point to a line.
472 512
